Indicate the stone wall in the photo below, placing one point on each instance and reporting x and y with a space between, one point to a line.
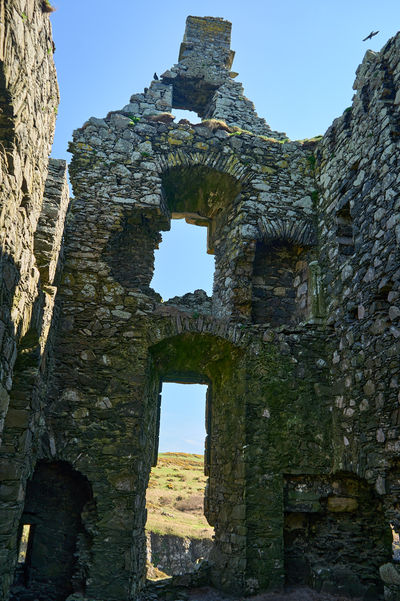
29 99
357 168
358 179
298 345
265 346
175 555
27 131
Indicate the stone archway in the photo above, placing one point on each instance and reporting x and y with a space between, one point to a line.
54 561
201 194
194 357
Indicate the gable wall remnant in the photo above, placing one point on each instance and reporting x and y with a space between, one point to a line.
298 344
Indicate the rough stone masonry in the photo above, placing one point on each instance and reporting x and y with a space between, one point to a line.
299 344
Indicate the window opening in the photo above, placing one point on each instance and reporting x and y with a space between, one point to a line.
280 292
395 544
190 116
344 231
178 533
24 542
54 551
182 264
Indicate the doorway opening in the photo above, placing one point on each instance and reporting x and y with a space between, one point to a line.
182 264
178 534
54 544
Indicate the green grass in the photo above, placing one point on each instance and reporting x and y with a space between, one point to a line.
175 496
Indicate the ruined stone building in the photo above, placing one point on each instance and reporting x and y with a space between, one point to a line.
299 344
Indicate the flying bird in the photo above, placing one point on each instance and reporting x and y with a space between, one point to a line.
370 36
155 76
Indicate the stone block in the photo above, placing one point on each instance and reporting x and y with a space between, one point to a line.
342 504
390 574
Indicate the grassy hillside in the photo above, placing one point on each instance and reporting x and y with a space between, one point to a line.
175 496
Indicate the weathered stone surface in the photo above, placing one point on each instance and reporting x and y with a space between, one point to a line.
339 504
28 106
299 343
390 574
176 555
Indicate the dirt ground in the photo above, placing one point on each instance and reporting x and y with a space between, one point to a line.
294 594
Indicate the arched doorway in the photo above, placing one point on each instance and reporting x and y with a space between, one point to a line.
208 359
54 543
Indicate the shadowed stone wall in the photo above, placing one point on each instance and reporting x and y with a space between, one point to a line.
298 344
56 498
31 228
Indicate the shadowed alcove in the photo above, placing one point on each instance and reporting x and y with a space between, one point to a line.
330 523
51 562
280 283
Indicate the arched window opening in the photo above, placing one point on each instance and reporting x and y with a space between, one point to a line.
182 264
54 544
201 196
280 292
178 533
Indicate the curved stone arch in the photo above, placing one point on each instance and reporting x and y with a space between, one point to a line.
180 322
57 540
297 231
207 342
224 163
281 286
202 357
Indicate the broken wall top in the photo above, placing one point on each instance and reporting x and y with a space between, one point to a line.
202 81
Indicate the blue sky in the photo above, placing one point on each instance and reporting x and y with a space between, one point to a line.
296 59
182 418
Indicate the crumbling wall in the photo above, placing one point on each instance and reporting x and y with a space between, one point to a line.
357 168
202 81
260 198
130 175
298 344
27 131
358 180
